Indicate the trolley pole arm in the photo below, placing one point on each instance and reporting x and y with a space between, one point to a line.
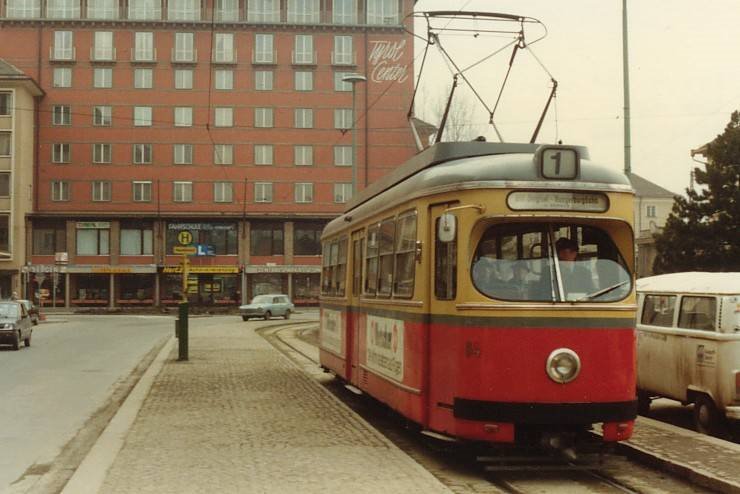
544 112
447 111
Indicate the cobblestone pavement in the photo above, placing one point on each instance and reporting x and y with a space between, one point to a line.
239 417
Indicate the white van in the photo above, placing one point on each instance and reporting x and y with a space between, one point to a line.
688 346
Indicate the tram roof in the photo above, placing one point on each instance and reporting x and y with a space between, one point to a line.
692 282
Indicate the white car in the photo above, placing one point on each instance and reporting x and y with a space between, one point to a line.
266 306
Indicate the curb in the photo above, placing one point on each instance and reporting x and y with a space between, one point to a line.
90 475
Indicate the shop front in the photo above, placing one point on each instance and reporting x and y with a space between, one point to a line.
300 283
111 286
46 284
205 286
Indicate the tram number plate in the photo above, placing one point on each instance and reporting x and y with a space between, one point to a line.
559 163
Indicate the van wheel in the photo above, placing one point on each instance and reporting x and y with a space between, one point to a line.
17 341
643 403
287 314
27 341
706 416
268 315
245 318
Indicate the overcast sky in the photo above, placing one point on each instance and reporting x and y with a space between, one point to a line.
684 77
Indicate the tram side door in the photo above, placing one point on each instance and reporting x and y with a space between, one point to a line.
354 322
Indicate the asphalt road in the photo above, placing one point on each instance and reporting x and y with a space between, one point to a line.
49 391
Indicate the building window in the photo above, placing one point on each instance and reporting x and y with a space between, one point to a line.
102 153
223 154
343 156
224 48
93 241
4 184
307 238
63 46
227 10
142 116
263 48
183 116
61 115
49 237
23 9
137 241
145 10
650 211
182 191
303 49
5 103
303 11
63 9
224 79
266 238
183 79
263 80
263 117
340 84
342 193
223 192
143 78
183 154
303 155
344 12
102 9
142 191
303 192
183 51
102 116
59 190
263 154
5 144
144 47
303 118
101 190
103 78
62 77
303 80
183 10
103 49
263 192
343 54
263 10
343 118
60 153
223 117
382 12
142 154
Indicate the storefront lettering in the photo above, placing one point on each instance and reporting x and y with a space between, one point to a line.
384 59
201 226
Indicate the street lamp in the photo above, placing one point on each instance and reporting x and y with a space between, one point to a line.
354 79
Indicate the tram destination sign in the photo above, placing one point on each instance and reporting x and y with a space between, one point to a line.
558 201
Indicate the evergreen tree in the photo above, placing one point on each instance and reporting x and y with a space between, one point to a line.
703 231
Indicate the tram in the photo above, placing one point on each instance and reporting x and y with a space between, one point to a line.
486 292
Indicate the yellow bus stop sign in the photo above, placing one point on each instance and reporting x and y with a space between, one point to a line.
185 237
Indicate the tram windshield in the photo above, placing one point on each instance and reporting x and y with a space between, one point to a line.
550 262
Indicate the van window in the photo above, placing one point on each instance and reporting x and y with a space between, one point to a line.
658 310
698 313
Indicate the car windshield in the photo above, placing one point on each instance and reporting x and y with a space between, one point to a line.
549 262
262 299
9 311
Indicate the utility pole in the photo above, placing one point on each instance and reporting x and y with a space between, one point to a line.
626 76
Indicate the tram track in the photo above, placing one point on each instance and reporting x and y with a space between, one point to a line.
456 467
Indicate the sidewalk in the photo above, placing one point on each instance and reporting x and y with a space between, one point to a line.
239 417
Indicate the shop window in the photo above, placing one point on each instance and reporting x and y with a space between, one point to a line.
136 241
266 239
221 238
92 289
136 287
93 241
306 288
264 283
49 237
307 238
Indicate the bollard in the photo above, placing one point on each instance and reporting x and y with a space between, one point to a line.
183 332
177 328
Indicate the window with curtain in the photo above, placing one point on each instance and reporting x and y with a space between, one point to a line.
227 10
144 10
263 10
23 9
136 241
303 11
102 9
183 10
63 9
344 12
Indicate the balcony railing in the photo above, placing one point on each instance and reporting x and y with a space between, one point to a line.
58 54
144 56
102 54
343 58
264 57
224 57
303 58
184 56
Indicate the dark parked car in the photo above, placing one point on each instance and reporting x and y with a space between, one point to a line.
32 310
266 306
15 324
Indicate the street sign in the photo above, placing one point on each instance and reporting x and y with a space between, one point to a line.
181 249
185 237
204 250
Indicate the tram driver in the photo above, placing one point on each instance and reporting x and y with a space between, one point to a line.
577 279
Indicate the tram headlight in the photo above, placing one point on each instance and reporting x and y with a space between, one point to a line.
563 365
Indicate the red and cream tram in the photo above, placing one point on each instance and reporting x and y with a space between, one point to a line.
485 292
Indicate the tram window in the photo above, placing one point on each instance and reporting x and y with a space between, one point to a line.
340 271
698 313
445 268
657 310
549 262
371 261
325 268
357 246
334 267
386 238
405 267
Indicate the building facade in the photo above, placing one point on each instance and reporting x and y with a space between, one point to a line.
653 205
218 130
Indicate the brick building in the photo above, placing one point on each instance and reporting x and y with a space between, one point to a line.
214 126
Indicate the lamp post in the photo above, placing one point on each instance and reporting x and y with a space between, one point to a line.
354 79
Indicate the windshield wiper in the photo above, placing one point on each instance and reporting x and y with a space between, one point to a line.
603 291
